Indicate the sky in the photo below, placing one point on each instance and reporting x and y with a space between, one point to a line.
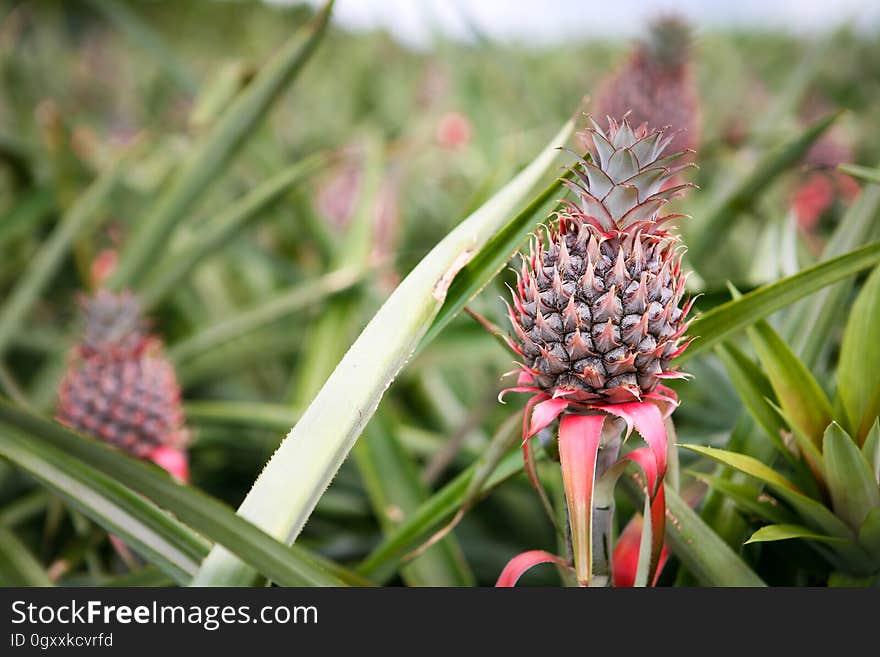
413 22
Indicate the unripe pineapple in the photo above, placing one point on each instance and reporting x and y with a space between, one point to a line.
598 312
656 84
118 386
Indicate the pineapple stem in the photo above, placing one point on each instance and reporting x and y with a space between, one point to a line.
603 511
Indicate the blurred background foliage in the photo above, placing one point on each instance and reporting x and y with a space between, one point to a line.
416 140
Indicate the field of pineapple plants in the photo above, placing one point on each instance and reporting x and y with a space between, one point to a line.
281 303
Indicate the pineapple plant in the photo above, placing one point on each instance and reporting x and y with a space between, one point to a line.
656 84
120 388
599 315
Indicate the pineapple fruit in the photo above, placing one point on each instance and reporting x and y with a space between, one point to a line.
656 85
120 388
598 309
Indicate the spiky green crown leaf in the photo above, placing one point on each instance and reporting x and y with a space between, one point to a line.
669 41
627 183
112 321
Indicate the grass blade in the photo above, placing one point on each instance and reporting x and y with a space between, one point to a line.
786 532
213 236
862 173
297 298
45 264
18 567
214 154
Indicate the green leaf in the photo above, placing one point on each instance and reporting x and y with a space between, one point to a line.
289 566
698 548
209 239
742 197
754 390
785 532
204 166
809 328
871 449
746 464
800 396
814 513
77 221
854 491
869 533
477 273
287 490
18 567
867 174
761 505
487 473
161 539
858 383
395 491
297 298
715 325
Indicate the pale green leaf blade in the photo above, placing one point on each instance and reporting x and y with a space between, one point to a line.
308 458
770 533
868 174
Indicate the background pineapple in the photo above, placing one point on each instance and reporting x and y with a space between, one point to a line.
118 386
656 84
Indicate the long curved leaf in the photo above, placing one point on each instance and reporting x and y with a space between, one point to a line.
719 322
161 539
285 565
288 489
786 532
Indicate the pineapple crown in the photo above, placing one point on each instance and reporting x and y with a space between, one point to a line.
669 42
627 182
112 322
